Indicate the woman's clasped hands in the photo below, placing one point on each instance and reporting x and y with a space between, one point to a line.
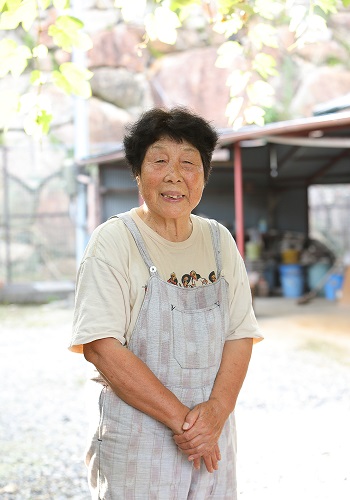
201 432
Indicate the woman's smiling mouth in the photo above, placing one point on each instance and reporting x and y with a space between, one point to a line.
172 196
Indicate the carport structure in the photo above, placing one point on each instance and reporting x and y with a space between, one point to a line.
282 160
259 173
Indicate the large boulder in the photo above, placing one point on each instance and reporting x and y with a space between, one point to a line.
317 86
121 87
191 79
106 122
118 47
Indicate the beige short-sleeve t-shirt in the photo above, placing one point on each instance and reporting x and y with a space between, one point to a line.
112 276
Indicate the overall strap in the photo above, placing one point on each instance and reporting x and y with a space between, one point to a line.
215 236
134 230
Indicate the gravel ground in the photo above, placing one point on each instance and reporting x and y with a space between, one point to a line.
292 416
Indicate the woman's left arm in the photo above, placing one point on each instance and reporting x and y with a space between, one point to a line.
204 423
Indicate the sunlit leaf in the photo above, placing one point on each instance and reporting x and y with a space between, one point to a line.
9 106
237 123
13 58
346 3
61 4
265 65
44 4
36 110
268 9
233 108
328 6
40 51
228 6
37 78
310 29
162 25
297 15
73 80
254 114
262 34
17 13
180 4
227 52
237 81
2 4
261 93
37 124
131 8
66 33
229 27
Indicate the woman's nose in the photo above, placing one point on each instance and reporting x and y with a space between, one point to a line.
173 172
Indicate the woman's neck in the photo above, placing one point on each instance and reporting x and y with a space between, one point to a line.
175 230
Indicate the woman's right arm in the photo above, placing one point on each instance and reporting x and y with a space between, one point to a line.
135 383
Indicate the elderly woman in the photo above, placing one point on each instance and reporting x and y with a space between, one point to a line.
169 358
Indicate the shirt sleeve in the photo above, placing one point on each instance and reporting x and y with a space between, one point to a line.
101 304
243 323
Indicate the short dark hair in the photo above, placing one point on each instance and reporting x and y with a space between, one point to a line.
179 124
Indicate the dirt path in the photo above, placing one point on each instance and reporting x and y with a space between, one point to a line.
293 413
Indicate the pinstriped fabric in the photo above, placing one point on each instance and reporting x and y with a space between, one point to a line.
180 335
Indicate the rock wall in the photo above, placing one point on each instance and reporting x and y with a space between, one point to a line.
130 77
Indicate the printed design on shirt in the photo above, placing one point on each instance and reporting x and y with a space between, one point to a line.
192 279
173 279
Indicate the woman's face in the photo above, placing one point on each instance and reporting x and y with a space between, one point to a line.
172 178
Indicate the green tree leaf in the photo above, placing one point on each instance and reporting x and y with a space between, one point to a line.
37 78
37 123
19 12
328 6
254 114
233 109
227 52
40 51
227 7
37 117
44 4
260 93
13 58
162 25
269 9
73 80
179 4
238 81
61 4
230 26
262 34
66 33
265 65
131 7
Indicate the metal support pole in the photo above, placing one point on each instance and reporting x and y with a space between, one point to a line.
238 182
7 226
81 148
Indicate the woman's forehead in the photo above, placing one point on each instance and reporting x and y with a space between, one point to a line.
165 143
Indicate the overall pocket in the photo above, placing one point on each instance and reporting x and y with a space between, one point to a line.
198 336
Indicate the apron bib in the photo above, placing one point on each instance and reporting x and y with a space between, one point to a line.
179 334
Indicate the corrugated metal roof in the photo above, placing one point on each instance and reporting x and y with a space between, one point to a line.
308 150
